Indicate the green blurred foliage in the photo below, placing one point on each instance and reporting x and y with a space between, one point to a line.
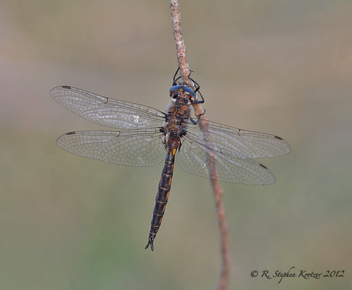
282 67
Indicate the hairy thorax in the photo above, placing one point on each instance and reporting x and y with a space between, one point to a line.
176 122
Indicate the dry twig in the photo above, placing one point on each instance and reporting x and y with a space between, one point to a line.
217 190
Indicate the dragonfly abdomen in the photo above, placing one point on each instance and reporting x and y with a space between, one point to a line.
162 196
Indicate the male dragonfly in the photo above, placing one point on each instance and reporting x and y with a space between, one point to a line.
145 134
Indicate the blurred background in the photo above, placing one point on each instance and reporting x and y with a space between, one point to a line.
280 67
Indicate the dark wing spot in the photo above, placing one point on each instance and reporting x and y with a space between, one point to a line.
70 133
66 87
263 166
277 137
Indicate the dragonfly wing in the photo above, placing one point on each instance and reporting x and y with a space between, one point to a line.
133 148
233 168
105 111
237 141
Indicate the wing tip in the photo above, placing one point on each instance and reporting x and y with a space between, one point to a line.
60 140
55 90
285 143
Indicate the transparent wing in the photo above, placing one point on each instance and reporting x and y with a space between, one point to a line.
238 141
105 111
230 168
132 148
233 149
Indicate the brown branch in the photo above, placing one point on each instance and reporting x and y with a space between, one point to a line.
217 190
180 44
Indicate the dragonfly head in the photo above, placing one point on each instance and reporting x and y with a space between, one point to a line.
180 92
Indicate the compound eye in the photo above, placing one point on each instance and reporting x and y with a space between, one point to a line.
190 94
174 89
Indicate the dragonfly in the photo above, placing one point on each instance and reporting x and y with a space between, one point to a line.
146 136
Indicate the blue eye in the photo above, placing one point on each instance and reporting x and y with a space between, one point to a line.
185 89
175 89
190 92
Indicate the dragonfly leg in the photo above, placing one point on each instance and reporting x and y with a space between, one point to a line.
174 80
199 101
198 117
197 89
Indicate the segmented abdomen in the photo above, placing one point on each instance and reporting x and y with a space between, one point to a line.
162 196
